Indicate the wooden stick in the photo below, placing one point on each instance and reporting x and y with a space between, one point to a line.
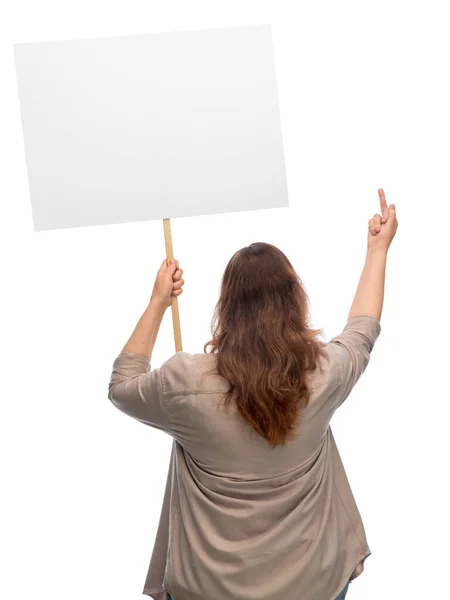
175 311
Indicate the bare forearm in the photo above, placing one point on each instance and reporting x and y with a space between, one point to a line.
144 335
369 295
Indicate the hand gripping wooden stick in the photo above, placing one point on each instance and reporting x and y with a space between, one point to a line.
175 312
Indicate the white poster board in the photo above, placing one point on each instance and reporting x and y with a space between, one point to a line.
132 128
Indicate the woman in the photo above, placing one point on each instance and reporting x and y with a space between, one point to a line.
257 503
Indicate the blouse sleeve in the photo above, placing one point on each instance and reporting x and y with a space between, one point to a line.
352 348
138 391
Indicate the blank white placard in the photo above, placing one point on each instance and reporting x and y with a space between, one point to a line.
132 128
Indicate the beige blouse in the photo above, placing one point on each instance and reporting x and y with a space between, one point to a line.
240 520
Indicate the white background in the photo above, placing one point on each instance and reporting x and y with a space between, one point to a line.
364 98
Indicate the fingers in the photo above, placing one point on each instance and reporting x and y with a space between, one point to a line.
178 281
177 275
377 222
383 206
177 278
177 285
383 203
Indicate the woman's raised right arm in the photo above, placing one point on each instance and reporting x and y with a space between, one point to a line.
368 300
353 346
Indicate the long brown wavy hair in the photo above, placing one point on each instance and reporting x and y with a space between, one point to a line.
263 342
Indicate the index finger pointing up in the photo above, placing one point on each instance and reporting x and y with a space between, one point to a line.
383 205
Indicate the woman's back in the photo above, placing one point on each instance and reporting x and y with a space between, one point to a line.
237 511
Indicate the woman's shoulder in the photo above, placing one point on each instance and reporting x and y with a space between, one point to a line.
186 372
326 367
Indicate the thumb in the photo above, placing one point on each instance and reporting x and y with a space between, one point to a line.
166 267
172 266
392 210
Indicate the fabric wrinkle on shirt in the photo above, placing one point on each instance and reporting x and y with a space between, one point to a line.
241 520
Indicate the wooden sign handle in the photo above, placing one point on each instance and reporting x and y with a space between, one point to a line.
175 311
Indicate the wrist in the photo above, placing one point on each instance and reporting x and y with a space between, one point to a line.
377 250
156 305
376 258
